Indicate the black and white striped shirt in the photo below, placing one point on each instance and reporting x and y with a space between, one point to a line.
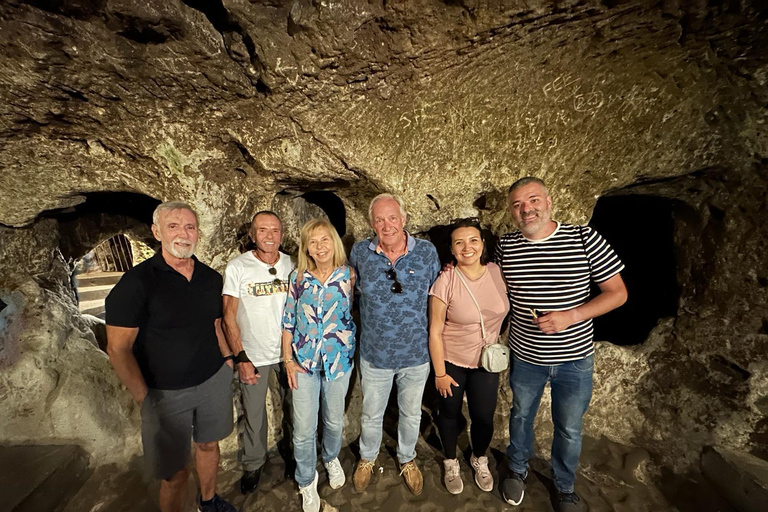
553 274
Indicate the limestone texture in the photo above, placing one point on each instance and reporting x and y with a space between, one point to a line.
110 106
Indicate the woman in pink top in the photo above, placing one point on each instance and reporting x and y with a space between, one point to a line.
455 345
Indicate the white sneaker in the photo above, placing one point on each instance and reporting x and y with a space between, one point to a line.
452 479
310 500
336 476
483 477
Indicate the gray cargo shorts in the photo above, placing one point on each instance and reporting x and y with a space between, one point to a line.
170 418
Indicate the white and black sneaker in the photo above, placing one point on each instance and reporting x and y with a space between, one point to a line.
513 488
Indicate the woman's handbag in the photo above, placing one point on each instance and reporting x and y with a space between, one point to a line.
495 356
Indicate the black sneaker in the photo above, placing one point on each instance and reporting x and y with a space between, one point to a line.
513 489
215 505
250 481
568 502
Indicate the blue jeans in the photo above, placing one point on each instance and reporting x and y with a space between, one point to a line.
313 391
571 385
376 384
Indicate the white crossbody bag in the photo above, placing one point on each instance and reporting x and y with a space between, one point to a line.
495 356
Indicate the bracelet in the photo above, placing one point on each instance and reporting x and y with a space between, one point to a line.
440 376
241 357
230 357
286 361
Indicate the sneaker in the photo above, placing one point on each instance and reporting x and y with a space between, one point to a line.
413 478
215 505
250 481
513 489
568 502
336 476
310 500
362 476
483 477
452 477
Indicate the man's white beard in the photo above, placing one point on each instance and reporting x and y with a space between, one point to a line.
178 252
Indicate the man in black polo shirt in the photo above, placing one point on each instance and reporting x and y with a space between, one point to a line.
166 344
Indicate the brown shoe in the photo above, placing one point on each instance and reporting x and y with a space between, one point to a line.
362 476
413 478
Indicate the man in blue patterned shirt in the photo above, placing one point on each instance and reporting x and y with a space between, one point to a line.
395 272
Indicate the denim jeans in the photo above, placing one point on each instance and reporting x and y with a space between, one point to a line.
571 385
313 391
376 384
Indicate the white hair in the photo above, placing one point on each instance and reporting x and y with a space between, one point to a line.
169 206
385 196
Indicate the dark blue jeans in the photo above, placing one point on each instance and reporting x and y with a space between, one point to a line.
571 385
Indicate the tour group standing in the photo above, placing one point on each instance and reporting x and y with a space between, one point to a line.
176 331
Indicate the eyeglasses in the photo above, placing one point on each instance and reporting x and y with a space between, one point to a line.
273 272
396 286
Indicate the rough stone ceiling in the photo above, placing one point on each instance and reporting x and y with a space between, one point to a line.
226 103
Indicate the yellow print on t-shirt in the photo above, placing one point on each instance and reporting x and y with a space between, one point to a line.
268 288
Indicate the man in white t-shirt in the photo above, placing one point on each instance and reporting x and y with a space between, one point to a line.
255 289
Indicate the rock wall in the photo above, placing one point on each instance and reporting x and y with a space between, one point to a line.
236 106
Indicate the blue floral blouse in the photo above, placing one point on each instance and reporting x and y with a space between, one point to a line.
319 315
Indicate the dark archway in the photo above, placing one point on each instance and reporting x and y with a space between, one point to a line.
333 207
640 228
101 216
102 222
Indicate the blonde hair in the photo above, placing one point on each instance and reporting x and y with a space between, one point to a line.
305 260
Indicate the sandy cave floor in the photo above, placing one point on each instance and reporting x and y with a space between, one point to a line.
607 481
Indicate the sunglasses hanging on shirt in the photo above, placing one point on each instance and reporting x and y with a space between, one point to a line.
396 286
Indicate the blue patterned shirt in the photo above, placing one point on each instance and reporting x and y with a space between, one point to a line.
394 325
319 315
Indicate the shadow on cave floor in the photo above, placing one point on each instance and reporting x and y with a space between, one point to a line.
608 481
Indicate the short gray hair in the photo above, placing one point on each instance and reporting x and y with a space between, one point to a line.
385 196
527 181
169 206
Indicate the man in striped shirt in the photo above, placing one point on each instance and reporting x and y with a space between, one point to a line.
548 267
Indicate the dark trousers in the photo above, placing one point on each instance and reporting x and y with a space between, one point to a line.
481 388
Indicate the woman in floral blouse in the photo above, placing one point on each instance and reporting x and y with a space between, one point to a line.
318 348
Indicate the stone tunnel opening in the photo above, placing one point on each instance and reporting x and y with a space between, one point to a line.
640 228
102 238
333 207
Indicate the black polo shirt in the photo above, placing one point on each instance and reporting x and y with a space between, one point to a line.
176 346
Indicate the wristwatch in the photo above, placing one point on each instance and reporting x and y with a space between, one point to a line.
241 357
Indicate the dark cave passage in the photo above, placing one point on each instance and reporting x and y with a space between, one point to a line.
640 228
333 207
101 238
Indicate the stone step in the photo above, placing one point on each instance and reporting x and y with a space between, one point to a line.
98 311
92 294
86 306
99 275
41 478
98 279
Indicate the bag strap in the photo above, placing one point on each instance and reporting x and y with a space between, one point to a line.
584 245
480 312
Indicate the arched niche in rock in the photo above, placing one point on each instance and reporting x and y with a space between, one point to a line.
297 207
640 228
101 216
